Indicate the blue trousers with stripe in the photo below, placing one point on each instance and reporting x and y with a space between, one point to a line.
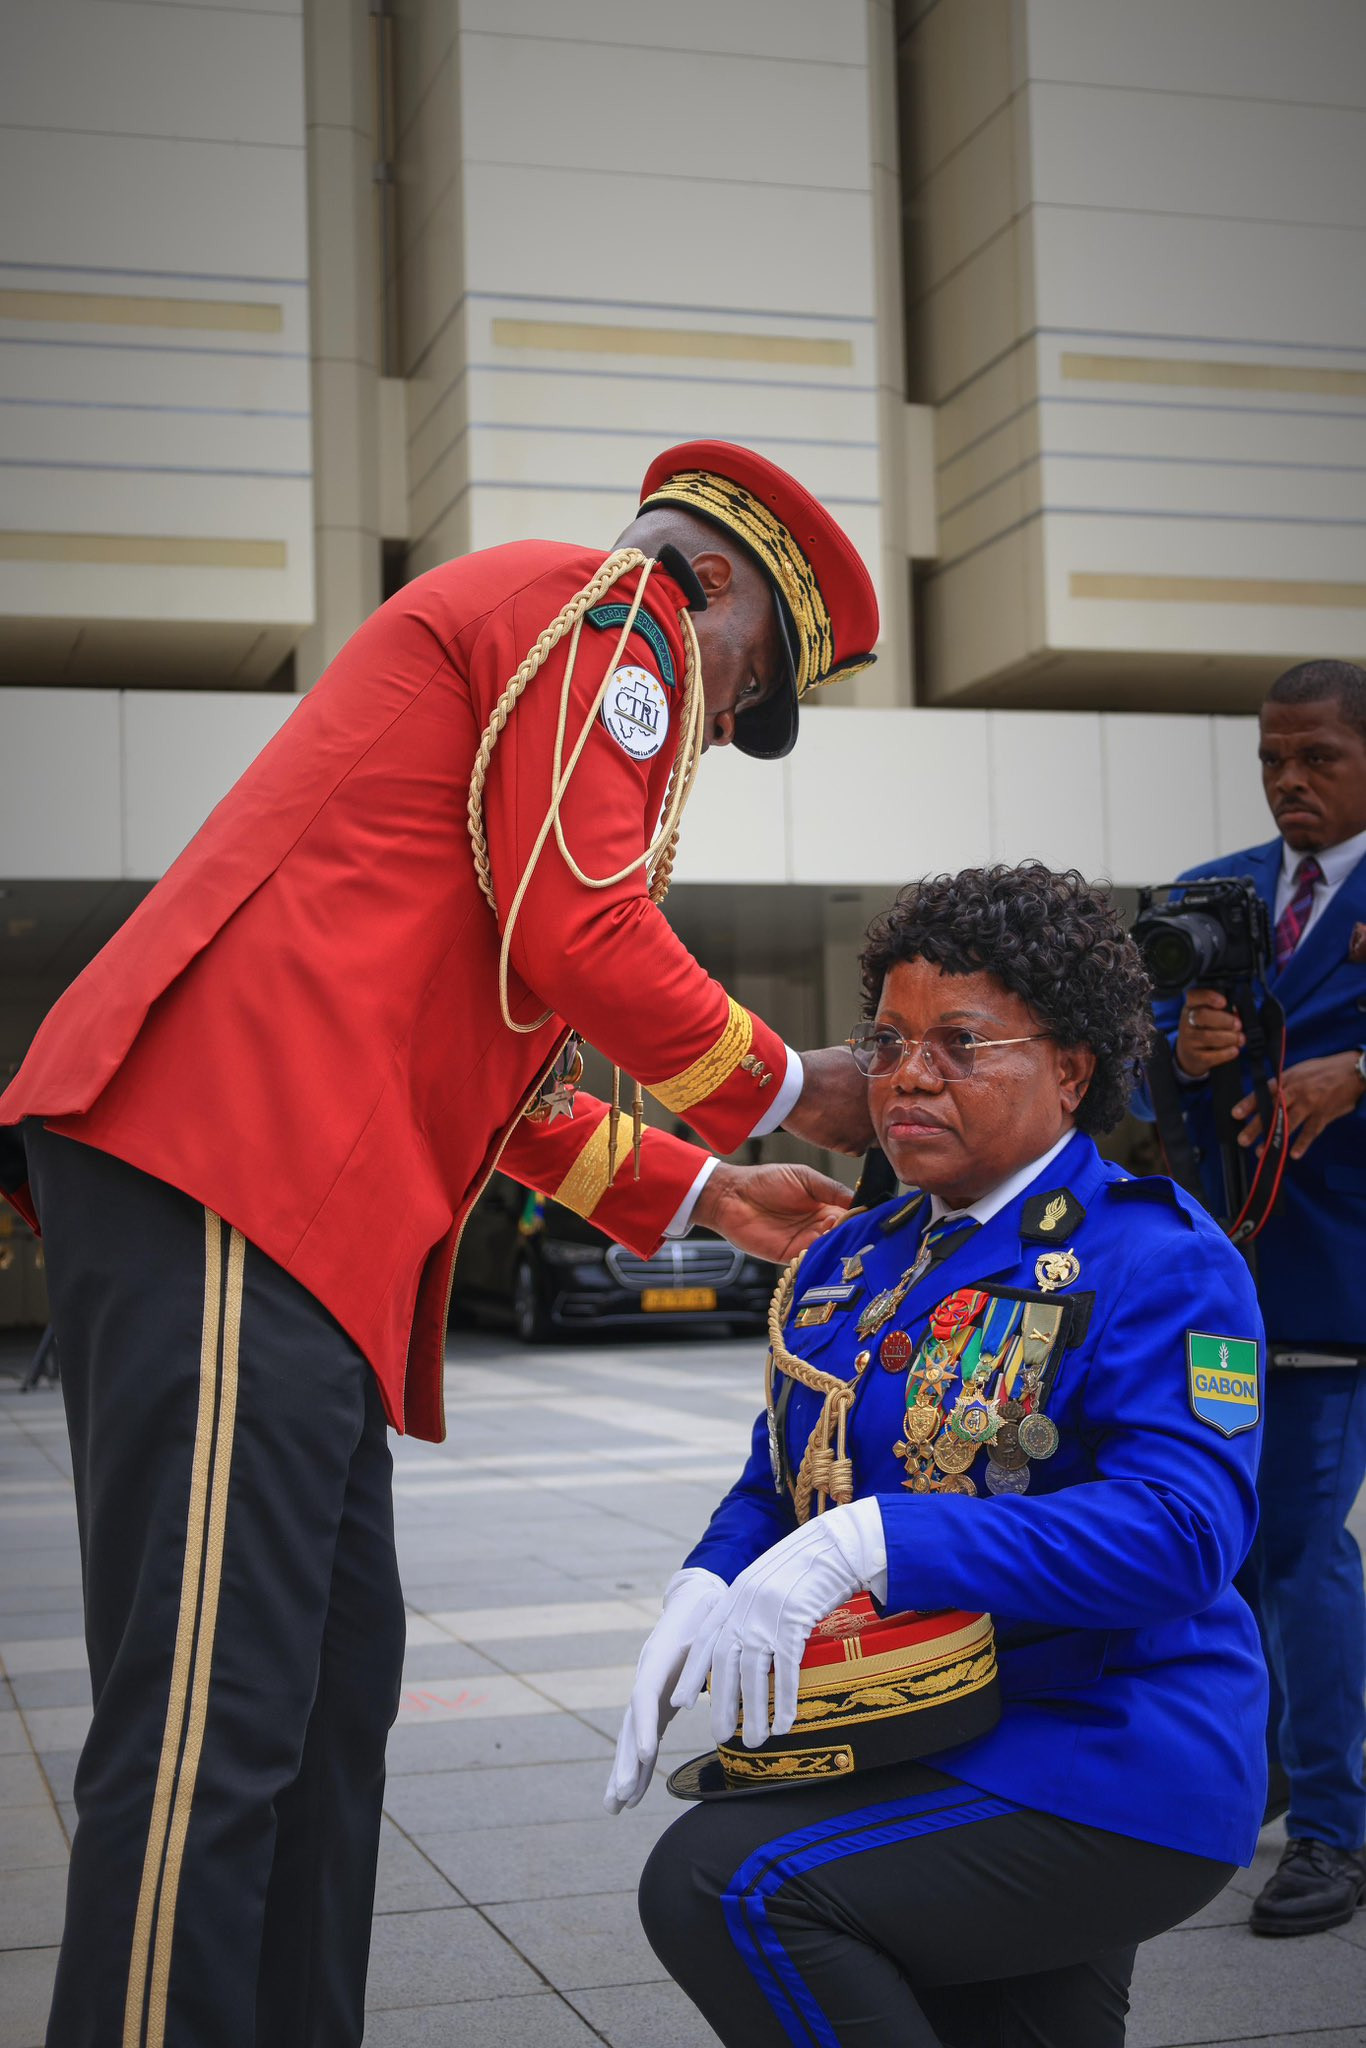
244 1623
908 1910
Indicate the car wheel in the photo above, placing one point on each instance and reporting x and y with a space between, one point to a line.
529 1318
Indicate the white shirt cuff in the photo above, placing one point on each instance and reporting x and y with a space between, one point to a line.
786 1098
681 1221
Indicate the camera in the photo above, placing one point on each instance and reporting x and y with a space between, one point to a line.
1211 932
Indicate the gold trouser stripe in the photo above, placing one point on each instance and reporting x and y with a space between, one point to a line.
187 1707
585 1184
706 1075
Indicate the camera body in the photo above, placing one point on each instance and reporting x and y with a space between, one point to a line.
1211 932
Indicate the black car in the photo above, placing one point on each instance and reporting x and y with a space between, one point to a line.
527 1261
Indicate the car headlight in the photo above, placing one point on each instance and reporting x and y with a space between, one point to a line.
558 1254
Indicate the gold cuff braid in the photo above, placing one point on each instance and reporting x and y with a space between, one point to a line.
588 1179
707 1074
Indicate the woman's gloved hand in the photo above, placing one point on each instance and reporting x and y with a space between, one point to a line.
689 1599
763 1624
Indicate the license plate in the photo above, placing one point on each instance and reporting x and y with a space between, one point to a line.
666 1298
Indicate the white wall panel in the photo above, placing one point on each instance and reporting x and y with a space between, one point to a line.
1158 803
61 802
824 32
1255 49
737 824
182 752
1240 802
880 796
1047 789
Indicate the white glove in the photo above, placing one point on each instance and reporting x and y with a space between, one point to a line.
689 1599
771 1609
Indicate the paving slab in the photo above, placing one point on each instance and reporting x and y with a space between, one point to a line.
543 2021
644 2016
579 1943
1210 1984
548 1860
25 1995
31 1838
500 1796
32 1902
407 1881
442 1958
465 1745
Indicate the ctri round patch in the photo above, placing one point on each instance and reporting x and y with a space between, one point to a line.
636 712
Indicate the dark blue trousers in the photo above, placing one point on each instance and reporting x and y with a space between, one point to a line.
1305 1572
244 1623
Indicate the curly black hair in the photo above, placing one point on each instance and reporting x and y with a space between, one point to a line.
1055 939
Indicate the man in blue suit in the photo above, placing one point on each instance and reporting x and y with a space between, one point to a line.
1311 1261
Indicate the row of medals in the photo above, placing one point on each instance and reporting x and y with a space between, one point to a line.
938 1447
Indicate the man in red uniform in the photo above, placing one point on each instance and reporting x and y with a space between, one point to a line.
254 1127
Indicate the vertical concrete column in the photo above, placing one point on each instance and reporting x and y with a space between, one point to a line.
892 681
344 309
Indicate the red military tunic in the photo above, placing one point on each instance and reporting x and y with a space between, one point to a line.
300 1025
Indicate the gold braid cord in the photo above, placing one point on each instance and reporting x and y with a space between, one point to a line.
825 1470
658 858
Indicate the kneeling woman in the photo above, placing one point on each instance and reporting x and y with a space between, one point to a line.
1029 1392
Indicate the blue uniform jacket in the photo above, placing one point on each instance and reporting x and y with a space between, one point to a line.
1132 1676
1309 1254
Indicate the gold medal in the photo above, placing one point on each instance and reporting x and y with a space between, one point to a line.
1038 1436
958 1482
921 1422
951 1454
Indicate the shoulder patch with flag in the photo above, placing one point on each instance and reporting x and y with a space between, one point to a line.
1222 1379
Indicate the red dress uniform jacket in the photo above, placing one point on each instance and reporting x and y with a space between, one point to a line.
300 1026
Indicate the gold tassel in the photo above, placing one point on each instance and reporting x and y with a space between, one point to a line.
613 1125
637 1124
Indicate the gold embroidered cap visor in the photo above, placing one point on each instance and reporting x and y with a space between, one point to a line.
873 1690
823 595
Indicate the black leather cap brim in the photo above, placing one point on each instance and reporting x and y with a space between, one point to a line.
769 732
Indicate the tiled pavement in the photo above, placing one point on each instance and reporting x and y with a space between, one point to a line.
534 1543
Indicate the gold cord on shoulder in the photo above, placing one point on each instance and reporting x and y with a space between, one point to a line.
826 1469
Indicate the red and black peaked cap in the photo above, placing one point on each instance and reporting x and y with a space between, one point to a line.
826 603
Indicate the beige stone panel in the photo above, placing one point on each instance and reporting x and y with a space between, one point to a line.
570 105
43 368
837 475
348 590
1242 49
152 653
988 463
247 6
431 279
986 404
201 593
964 64
446 540
1044 789
1183 153
142 550
437 485
1226 428
821 32
1207 489
781 250
1158 784
139 204
922 511
970 198
705 344
345 397
974 318
425 31
393 459
733 402
1210 374
182 752
439 380
983 614
146 438
342 272
78 834
129 309
337 73
1277 591
429 151
222 75
989 512
909 769
100 501
1124 274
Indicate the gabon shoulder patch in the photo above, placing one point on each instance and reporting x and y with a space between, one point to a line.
1221 1376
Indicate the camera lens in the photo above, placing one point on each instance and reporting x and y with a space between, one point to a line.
1180 949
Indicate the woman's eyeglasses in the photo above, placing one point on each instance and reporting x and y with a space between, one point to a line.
948 1050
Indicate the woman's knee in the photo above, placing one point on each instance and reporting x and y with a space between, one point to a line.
680 1899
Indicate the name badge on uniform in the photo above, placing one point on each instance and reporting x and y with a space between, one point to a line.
1221 1374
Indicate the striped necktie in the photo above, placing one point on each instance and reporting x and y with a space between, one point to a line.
1293 919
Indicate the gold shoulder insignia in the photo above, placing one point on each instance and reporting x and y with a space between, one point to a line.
1054 1214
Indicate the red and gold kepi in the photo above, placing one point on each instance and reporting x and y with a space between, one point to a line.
825 600
873 1689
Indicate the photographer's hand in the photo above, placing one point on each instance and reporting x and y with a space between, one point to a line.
1209 1034
1316 1093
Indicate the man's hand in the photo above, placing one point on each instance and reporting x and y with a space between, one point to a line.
772 1212
832 1109
1210 1034
1315 1093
